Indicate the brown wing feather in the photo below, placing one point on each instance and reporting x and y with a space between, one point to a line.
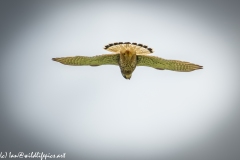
106 59
161 64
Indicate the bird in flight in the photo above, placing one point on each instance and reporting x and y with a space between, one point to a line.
128 56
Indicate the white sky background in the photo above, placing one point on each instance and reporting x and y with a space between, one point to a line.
94 111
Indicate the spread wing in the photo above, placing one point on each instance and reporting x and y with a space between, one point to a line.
105 59
161 64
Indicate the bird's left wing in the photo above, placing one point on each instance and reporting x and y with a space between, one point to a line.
161 64
105 59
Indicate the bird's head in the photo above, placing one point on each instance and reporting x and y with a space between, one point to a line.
127 76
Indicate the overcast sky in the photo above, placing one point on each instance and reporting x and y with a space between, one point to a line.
93 112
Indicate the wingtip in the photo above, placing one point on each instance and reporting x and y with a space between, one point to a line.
54 59
196 67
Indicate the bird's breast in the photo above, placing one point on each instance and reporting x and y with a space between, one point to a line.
127 62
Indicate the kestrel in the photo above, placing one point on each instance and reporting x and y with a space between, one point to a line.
127 56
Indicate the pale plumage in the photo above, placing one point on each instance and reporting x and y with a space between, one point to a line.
129 55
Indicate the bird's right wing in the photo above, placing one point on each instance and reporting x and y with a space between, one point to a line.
105 59
161 64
